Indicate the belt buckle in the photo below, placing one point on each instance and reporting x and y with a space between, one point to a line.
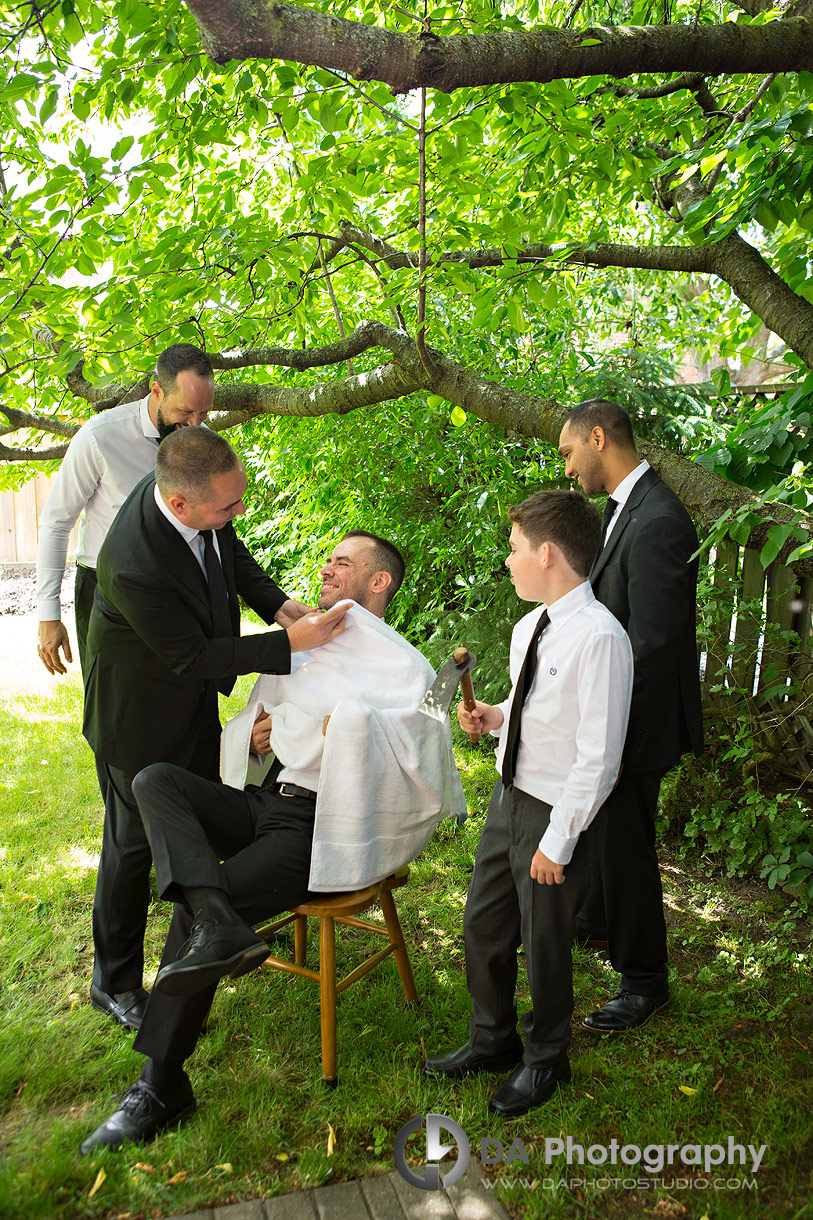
282 791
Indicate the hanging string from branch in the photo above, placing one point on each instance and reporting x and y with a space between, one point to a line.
432 371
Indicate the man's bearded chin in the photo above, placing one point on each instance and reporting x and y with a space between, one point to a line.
161 423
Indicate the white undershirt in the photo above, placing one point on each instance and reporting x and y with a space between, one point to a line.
190 536
575 717
622 494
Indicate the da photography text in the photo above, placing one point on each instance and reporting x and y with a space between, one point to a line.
651 1158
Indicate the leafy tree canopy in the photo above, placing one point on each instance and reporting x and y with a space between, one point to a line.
563 231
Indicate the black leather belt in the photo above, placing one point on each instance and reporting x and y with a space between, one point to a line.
295 790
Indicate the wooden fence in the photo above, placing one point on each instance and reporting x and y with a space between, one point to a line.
19 514
743 649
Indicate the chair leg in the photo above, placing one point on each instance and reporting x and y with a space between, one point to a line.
327 987
300 939
399 953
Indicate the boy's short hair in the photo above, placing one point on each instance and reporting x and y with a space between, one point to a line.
565 518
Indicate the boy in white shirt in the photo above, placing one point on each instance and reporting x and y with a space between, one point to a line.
561 733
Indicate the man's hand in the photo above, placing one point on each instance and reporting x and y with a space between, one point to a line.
545 871
290 611
314 630
261 734
483 719
51 637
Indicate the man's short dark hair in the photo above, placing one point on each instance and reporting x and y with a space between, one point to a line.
177 359
385 557
565 518
601 413
189 458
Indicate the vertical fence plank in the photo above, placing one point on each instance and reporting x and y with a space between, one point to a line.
801 664
749 626
724 576
781 585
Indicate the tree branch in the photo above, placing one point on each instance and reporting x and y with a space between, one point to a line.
263 29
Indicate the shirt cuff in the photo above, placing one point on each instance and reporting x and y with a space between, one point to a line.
48 609
557 847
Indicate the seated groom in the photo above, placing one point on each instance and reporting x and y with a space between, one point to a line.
360 780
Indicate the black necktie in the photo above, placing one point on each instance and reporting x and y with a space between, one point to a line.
218 598
524 681
609 513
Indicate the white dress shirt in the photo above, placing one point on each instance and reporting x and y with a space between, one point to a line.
575 716
622 494
106 458
191 537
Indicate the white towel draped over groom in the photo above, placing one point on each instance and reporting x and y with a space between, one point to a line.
384 772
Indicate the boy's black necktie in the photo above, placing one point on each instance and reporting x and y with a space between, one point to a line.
524 681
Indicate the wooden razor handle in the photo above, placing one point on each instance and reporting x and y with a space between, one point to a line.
466 688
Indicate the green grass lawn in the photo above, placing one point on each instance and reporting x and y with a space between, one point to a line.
731 1059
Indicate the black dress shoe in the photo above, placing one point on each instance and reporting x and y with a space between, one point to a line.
625 1011
142 1113
127 1007
465 1060
529 1087
212 951
583 940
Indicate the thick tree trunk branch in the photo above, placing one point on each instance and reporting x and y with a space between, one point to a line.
262 29
706 495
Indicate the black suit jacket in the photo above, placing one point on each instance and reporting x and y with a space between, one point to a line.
646 577
151 660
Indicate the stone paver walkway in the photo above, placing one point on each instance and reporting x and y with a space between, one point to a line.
387 1197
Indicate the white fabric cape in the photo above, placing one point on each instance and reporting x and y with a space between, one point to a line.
387 771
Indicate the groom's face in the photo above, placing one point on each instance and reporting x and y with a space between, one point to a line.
348 573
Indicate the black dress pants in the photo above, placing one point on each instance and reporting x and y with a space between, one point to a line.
84 590
505 908
625 902
123 881
255 845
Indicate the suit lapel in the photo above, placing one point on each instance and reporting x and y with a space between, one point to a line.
171 548
646 482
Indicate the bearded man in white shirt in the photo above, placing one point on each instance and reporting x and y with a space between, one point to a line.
106 458
561 735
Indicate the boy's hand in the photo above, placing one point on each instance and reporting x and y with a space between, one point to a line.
545 871
483 719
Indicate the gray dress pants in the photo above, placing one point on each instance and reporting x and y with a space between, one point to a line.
506 908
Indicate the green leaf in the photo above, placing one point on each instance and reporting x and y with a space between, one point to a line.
458 417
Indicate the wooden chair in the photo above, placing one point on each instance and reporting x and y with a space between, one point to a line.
343 909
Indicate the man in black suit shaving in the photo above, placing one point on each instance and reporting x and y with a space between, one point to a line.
164 637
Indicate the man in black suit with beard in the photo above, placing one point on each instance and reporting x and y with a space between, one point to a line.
645 574
164 637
